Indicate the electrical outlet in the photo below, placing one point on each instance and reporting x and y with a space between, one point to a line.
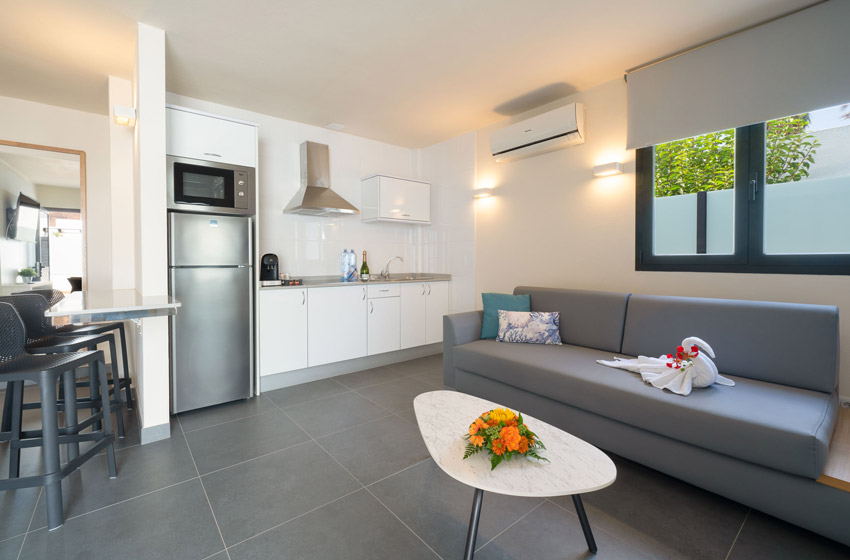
844 402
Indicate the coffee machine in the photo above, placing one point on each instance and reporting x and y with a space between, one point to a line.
269 267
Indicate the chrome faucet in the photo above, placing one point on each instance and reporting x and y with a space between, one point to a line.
386 272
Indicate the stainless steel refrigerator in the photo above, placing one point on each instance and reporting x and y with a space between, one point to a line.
211 336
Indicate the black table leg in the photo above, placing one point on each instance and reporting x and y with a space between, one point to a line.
585 525
472 534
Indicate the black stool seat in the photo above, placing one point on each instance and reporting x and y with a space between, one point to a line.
57 343
24 366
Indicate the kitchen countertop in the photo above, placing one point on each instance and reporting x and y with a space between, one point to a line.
329 281
112 305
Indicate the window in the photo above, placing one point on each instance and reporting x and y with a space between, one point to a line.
772 197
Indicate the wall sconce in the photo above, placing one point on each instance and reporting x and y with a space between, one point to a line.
607 169
483 192
125 116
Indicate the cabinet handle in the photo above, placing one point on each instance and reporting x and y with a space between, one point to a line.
383 290
423 289
429 289
212 154
406 215
364 294
371 307
303 297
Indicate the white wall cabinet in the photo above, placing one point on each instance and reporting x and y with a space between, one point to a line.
422 309
383 323
437 305
336 324
283 330
392 199
198 136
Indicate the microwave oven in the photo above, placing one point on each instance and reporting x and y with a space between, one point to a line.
210 187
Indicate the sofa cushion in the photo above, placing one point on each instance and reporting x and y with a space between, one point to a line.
781 427
493 303
531 327
588 318
788 343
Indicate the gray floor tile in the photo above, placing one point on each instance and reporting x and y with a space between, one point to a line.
325 416
227 444
16 508
551 532
645 509
169 524
267 491
356 527
396 395
226 412
368 377
220 556
377 449
10 548
433 377
141 469
305 392
418 365
436 507
409 415
767 538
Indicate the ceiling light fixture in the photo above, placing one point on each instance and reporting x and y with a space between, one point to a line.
335 126
607 169
483 192
125 116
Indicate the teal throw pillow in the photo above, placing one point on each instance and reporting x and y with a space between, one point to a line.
505 302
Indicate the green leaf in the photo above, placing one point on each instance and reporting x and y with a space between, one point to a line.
494 461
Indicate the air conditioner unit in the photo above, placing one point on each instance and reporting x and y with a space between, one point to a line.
546 132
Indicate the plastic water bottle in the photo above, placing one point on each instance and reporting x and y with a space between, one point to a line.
344 261
352 265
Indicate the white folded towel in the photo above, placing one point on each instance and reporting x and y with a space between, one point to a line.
698 372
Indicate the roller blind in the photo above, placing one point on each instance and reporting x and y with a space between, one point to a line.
791 65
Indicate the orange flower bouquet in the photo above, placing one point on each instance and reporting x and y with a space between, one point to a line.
504 435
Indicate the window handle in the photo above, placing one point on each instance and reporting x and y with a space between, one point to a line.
754 187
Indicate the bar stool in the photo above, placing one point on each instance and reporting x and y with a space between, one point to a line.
18 366
55 296
41 339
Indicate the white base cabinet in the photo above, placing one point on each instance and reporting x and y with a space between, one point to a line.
336 324
283 330
437 305
422 309
383 323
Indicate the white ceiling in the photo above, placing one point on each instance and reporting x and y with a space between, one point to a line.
43 168
408 72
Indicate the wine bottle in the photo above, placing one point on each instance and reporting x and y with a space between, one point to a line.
364 269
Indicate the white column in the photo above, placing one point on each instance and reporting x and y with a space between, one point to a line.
150 230
121 140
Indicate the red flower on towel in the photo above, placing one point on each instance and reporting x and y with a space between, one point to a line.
683 358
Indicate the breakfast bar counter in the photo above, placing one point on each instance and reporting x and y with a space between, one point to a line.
111 305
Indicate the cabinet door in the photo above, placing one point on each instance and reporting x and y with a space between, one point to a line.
412 329
283 330
405 200
336 324
208 138
383 324
437 297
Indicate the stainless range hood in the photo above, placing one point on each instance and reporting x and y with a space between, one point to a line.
315 197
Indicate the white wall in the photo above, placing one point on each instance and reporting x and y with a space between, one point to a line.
448 245
553 224
36 123
51 196
310 245
121 140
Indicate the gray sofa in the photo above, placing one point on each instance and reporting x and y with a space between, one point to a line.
762 442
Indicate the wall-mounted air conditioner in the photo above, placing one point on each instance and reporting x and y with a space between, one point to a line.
546 132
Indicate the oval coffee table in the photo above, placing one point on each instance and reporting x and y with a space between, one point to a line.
575 467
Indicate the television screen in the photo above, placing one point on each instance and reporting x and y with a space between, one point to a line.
23 222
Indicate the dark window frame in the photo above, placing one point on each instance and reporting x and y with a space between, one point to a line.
749 255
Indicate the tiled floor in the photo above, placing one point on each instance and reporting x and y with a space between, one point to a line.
336 469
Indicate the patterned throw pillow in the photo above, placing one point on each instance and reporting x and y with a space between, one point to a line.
533 327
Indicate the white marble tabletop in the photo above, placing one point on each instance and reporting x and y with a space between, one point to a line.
574 466
113 305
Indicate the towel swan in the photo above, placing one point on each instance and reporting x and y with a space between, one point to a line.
700 372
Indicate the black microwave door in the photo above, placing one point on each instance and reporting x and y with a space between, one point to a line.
195 184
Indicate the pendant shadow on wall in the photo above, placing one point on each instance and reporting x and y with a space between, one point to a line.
535 98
